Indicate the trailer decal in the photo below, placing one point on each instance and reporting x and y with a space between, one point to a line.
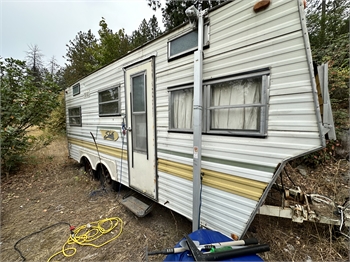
110 135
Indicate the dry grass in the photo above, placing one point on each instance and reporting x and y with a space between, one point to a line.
307 241
291 241
51 188
35 131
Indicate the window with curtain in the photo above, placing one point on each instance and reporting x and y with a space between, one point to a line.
109 102
181 101
235 105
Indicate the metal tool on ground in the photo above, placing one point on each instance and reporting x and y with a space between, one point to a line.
184 247
249 250
243 242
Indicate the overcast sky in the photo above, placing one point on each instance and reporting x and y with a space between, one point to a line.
50 24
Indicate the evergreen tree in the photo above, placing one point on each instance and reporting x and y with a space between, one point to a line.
147 31
80 57
174 10
110 46
154 4
154 29
140 36
328 26
23 105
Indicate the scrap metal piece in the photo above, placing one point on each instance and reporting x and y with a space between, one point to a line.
299 213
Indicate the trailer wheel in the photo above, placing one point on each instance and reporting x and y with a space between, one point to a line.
106 179
88 168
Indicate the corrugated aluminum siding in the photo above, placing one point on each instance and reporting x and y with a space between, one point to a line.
240 41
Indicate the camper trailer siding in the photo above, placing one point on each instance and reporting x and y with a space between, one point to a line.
283 51
238 25
217 210
237 169
175 193
285 55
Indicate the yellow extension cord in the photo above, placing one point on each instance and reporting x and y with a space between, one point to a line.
88 233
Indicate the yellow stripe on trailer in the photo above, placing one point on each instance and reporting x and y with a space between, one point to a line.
112 151
236 185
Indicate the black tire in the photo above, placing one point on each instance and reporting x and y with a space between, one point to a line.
88 168
106 180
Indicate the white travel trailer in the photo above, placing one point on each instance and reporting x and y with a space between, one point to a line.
205 132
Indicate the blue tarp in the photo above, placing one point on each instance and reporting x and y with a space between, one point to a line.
205 236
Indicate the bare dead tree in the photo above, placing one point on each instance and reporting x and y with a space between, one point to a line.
34 60
53 66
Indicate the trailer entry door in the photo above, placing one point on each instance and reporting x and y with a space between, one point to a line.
139 92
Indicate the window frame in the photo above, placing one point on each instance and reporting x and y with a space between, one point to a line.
71 116
110 101
206 42
74 87
139 113
262 105
206 112
171 109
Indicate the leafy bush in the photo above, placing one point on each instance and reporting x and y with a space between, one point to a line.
57 120
25 103
328 26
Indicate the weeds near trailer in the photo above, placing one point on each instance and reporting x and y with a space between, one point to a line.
334 150
307 241
290 241
52 188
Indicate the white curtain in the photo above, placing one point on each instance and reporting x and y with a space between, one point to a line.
182 102
236 92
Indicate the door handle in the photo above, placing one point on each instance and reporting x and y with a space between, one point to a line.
129 129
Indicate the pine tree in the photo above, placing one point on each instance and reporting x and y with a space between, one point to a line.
80 57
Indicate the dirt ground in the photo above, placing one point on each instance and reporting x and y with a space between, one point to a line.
52 189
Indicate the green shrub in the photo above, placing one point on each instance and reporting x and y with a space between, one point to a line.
25 103
57 121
